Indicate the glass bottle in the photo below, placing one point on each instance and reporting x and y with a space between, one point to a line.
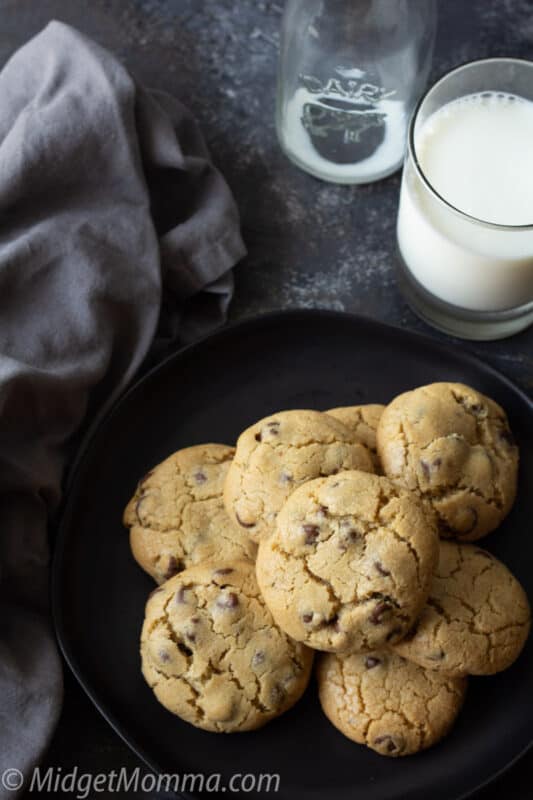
350 74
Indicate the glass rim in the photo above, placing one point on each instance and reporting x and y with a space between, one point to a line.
411 147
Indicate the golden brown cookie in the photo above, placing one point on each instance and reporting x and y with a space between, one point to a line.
349 566
477 618
363 421
454 446
212 653
177 518
391 705
279 453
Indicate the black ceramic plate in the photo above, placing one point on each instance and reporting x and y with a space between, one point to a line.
210 392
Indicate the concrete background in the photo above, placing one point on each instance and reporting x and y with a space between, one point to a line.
310 244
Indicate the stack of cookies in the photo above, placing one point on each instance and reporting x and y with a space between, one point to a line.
343 532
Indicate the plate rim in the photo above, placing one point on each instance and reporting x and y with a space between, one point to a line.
60 528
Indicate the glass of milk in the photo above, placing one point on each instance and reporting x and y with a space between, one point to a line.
350 73
465 221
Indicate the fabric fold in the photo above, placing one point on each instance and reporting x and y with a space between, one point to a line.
115 230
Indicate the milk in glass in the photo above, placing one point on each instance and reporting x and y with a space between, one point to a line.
476 152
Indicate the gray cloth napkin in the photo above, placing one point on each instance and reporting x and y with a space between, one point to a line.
115 228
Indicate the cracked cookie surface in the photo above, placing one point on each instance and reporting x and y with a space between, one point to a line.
477 618
278 454
212 653
387 703
454 447
177 518
363 421
349 566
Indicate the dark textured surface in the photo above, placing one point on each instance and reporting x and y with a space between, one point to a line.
311 244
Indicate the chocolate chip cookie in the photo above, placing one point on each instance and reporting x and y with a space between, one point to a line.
391 705
477 618
176 516
349 566
279 453
454 447
212 653
363 421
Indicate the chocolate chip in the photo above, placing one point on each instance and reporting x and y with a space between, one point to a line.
393 634
324 510
410 635
393 744
507 437
259 437
258 658
195 620
437 656
164 656
173 567
184 649
376 617
274 427
180 595
223 571
285 477
277 693
307 618
425 468
312 532
345 541
200 477
155 591
228 601
242 523
379 566
371 662
191 636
